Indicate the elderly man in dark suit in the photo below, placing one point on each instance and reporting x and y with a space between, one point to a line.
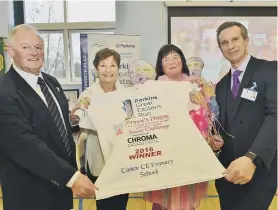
37 153
247 97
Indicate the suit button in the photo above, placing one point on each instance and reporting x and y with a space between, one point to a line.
240 121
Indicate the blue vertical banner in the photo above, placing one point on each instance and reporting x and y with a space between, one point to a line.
84 60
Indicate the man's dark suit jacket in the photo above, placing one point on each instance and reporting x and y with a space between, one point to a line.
252 123
34 166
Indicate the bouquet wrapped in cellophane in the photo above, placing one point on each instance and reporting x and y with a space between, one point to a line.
205 114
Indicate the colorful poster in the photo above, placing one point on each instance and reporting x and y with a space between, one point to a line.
196 37
146 138
126 45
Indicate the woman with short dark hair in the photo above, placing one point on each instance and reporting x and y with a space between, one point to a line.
107 64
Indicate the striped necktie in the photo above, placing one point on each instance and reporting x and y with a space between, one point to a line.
54 111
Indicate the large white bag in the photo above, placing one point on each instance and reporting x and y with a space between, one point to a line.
149 141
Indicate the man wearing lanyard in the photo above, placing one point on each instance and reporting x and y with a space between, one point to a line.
247 98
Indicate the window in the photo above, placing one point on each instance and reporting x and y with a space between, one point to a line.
60 25
54 54
43 12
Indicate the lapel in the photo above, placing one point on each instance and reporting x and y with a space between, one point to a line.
249 71
33 99
224 88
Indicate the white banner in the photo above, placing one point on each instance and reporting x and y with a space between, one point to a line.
128 46
149 141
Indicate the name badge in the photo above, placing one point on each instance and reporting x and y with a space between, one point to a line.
249 94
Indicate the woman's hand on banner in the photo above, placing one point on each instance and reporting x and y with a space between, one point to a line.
74 119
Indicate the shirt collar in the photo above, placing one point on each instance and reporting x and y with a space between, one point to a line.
243 65
31 79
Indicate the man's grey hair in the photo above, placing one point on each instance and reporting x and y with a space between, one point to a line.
21 27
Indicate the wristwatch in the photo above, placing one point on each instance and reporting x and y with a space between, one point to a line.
255 159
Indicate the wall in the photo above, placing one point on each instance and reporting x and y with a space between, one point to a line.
143 18
4 18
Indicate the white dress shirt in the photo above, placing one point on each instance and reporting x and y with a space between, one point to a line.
32 80
242 68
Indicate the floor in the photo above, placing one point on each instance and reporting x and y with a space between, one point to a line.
137 203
